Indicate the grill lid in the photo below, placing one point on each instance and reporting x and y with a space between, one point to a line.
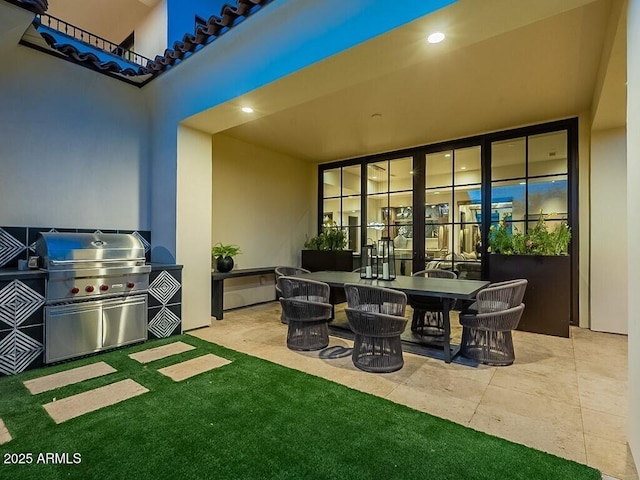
63 250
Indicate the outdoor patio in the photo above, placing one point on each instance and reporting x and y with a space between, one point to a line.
563 396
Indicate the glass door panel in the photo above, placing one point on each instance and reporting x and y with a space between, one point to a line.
467 166
439 169
351 184
548 195
331 183
508 159
548 154
378 177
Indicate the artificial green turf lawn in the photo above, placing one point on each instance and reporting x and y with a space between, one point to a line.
252 419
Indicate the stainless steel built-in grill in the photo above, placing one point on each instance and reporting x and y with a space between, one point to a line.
96 293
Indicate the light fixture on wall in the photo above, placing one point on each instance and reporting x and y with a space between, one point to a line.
435 37
247 109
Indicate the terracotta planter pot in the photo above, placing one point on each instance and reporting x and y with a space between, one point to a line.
548 296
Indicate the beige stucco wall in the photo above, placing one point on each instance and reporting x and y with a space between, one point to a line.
584 141
608 233
265 202
151 34
633 221
193 229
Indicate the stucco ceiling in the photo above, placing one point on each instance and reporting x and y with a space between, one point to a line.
501 66
504 63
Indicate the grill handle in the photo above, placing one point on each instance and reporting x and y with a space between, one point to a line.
97 260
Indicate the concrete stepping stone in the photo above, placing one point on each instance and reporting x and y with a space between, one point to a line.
68 377
5 436
164 351
182 371
92 400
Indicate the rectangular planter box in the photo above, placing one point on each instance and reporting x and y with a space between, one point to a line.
548 296
335 260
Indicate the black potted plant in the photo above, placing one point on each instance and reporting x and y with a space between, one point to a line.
223 254
540 256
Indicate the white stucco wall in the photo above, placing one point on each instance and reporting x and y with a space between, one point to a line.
74 149
633 221
265 202
288 33
609 231
193 242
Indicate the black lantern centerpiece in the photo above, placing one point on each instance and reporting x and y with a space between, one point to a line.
367 266
386 259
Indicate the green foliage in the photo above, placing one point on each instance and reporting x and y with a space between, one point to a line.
221 250
332 237
538 241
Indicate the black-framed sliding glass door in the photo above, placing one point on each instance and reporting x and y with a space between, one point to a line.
437 202
450 206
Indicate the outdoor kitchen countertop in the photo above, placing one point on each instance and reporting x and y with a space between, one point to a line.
164 266
13 273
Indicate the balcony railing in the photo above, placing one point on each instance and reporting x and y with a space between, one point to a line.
92 40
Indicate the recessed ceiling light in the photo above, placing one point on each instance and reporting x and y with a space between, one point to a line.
374 177
447 155
436 193
463 168
523 183
410 172
435 37
247 109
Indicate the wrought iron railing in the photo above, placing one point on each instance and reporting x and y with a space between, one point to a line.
92 40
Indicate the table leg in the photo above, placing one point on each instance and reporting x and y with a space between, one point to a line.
446 305
217 296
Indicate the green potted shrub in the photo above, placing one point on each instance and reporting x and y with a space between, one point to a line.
538 241
223 255
541 256
326 251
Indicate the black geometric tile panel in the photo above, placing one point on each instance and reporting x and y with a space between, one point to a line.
19 350
164 287
13 246
164 321
19 303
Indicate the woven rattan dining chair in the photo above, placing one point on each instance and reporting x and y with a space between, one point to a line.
486 332
427 317
286 272
306 306
376 316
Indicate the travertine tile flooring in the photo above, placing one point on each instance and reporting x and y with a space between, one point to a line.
564 396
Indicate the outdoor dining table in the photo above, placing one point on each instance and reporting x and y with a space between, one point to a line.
448 290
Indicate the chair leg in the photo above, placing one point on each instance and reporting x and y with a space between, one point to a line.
491 347
377 354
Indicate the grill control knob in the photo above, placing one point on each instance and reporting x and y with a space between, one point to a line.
130 285
75 290
88 288
104 288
